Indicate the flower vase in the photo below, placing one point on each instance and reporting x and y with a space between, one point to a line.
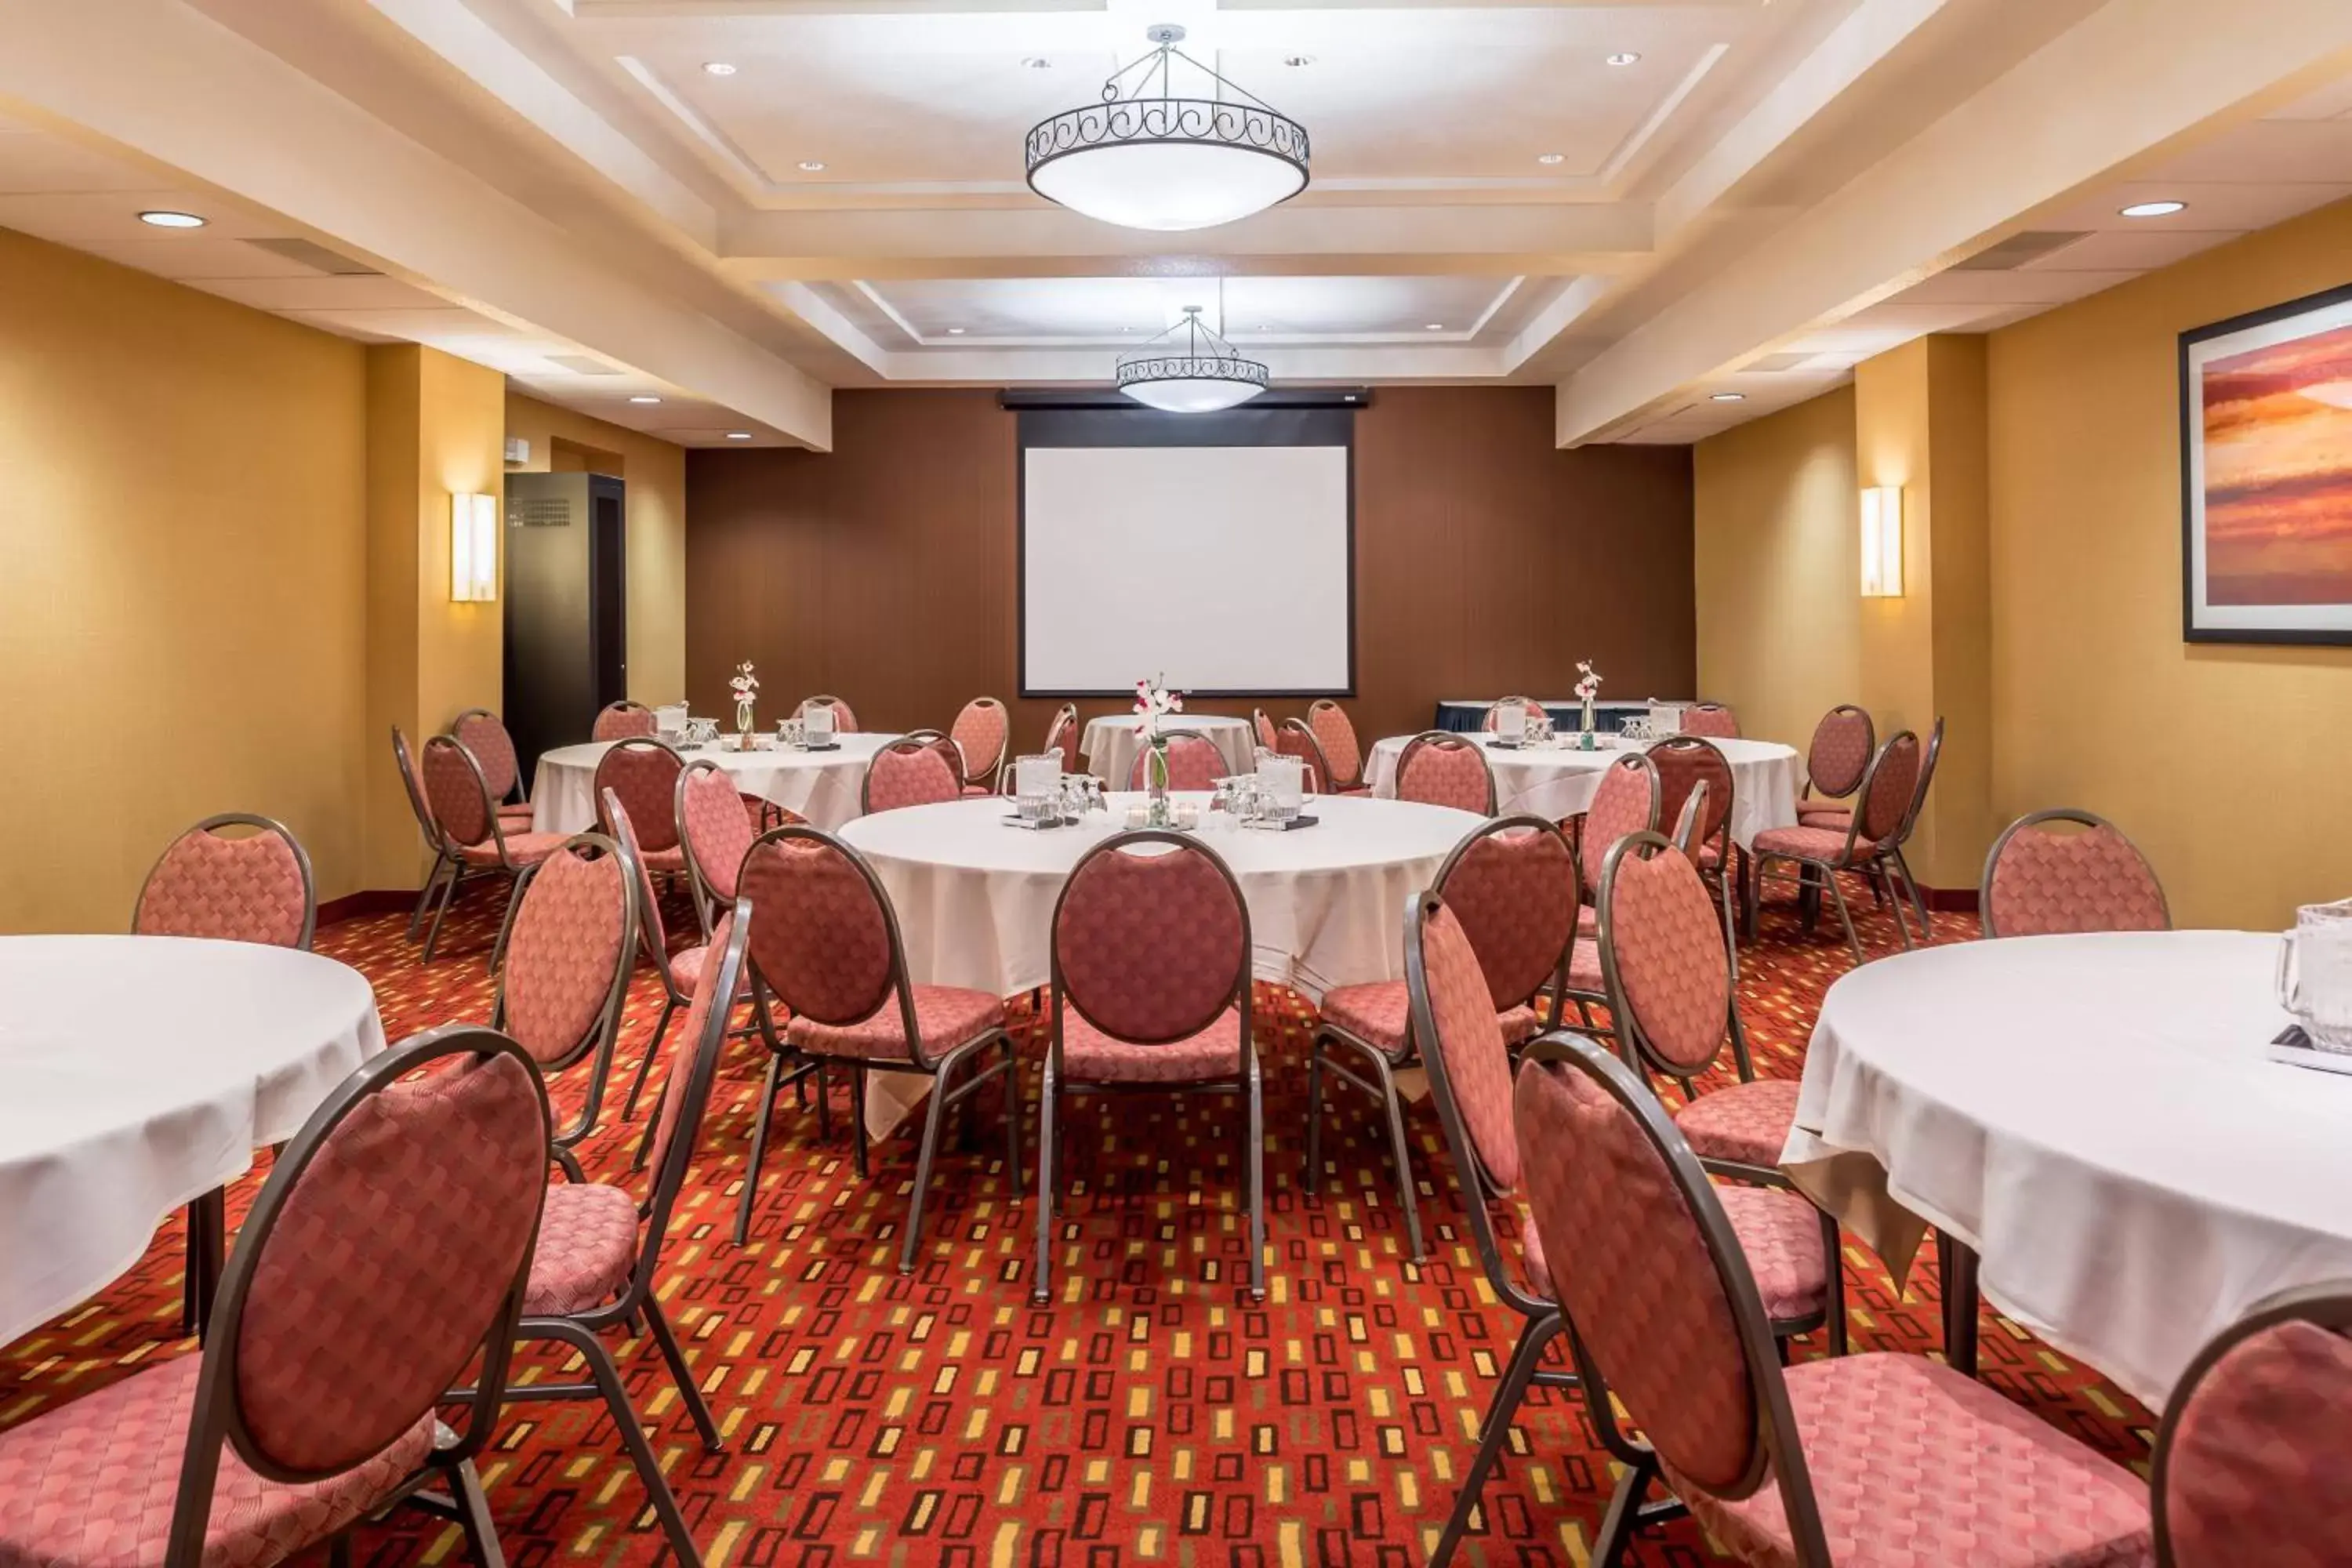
743 722
1586 741
1156 810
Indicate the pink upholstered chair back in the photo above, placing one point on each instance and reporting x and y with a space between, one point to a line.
653 935
678 1127
1926 781
620 721
1294 739
386 1252
2251 1458
1062 735
1888 789
255 886
844 722
1512 885
2039 880
824 939
1682 761
980 733
406 759
1439 769
1150 938
484 734
1533 708
911 771
565 957
1193 762
714 825
458 793
1712 720
1685 835
1268 737
1663 955
1627 801
1469 1064
644 773
1840 750
1342 753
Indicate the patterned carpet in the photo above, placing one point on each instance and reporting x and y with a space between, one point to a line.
1151 1415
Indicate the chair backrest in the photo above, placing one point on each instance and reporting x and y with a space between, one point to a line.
825 940
1269 737
386 1253
1512 885
1062 735
2039 882
714 825
677 1127
1664 957
1296 739
1711 720
2251 1455
979 732
620 721
1926 778
643 771
1683 761
1627 800
1685 835
1646 1267
1840 750
844 722
484 734
406 759
1527 705
460 797
653 935
1442 769
1343 754
1194 761
253 888
913 770
1150 940
1886 791
565 955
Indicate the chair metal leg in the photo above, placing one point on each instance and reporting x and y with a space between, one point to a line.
633 1436
1310 1177
1257 1170
207 1261
1403 1150
1012 1114
448 895
1892 897
666 1340
1845 915
1833 1254
644 1068
1517 1376
1624 1514
1918 900
1040 1287
857 1117
474 1516
759 1148
934 1117
424 894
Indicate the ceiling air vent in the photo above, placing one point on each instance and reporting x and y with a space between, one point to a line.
317 258
581 364
2019 248
1771 364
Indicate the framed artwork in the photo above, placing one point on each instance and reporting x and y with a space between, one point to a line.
2266 475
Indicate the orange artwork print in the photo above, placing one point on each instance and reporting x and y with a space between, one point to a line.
2278 473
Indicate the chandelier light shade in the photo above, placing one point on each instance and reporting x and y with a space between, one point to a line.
1188 369
1156 160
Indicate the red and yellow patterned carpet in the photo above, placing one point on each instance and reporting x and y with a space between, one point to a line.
1153 1414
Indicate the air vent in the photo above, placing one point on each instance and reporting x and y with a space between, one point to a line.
2019 248
539 512
581 364
1773 364
317 258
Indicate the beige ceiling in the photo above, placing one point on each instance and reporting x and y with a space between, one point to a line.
1773 190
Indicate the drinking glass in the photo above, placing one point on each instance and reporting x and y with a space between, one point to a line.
1284 779
1036 783
2315 973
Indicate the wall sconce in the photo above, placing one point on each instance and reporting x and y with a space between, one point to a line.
473 549
1882 543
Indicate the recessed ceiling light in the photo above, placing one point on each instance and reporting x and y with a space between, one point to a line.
955 331
2154 209
1297 62
1729 396
1433 326
644 397
1038 63
718 67
738 434
1551 157
172 220
1625 57
812 166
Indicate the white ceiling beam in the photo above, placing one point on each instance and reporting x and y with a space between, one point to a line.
1292 366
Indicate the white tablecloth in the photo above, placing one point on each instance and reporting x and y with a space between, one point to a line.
1557 783
822 786
141 1073
2095 1117
1109 743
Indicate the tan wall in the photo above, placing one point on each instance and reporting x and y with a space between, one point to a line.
655 472
2228 764
182 581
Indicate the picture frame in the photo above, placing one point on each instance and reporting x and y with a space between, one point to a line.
2266 475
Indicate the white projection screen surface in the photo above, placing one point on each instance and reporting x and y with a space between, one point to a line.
1226 569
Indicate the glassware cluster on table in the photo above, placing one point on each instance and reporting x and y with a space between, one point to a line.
1516 727
1272 798
811 731
1046 796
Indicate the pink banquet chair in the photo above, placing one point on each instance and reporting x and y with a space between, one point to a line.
1062 735
1628 800
563 960
1267 733
1512 884
405 760
385 1256
1847 1460
826 944
642 771
1683 763
1835 760
1438 768
1470 1082
1895 880
1534 710
595 1268
1343 754
484 734
715 827
844 722
1152 995
1712 720
680 973
2250 1456
1193 762
1294 739
1865 847
2039 880
919 769
981 733
472 835
622 720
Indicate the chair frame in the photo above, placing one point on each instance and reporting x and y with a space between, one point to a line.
1445 740
1869 749
459 869
1927 760
624 705
1871 861
514 791
1065 720
2074 813
1730 871
1295 737
603 1034
403 755
674 996
993 775
913 741
697 876
1384 1066
1335 784
265 824
1247 1082
940 1068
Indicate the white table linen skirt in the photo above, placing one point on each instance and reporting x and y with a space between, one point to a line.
822 786
1109 743
1557 782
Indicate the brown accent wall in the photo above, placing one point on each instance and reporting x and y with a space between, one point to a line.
1487 559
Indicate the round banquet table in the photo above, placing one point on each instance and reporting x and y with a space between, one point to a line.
1556 783
2095 1116
975 896
822 786
1109 743
141 1073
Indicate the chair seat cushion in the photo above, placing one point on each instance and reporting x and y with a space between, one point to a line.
946 1015
1377 1015
1807 843
1780 1234
670 859
587 1245
1588 920
1710 857
1914 1463
90 1483
1584 967
1747 1123
514 811
1089 1056
522 848
1834 817
686 967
